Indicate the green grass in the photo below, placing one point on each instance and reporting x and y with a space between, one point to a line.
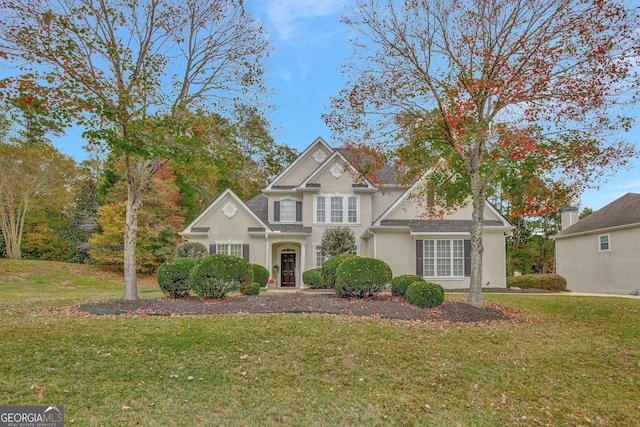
571 361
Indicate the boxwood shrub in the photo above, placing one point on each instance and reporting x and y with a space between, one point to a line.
399 284
191 250
424 294
313 278
174 275
250 288
330 267
361 277
550 282
260 275
215 275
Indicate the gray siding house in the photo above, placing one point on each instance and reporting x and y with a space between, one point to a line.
283 226
601 253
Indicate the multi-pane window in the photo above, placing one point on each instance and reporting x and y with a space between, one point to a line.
443 258
320 209
352 209
287 210
233 249
604 242
337 209
320 257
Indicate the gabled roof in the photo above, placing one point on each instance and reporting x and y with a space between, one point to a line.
622 212
193 228
336 155
318 143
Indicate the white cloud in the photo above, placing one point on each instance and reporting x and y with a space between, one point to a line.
287 16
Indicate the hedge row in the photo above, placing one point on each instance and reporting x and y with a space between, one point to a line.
549 282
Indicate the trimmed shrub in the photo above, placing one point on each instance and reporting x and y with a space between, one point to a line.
361 277
330 267
174 276
399 284
250 288
260 275
313 278
549 282
191 250
215 275
424 294
338 241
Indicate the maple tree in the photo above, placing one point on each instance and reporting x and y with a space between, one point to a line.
475 91
139 76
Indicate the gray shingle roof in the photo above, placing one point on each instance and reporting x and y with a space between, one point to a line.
437 225
620 212
260 206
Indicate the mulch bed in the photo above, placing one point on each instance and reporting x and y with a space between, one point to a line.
383 306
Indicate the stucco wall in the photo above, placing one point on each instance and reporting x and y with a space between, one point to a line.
586 269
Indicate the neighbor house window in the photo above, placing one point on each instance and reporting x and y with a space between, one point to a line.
287 210
338 209
443 258
605 244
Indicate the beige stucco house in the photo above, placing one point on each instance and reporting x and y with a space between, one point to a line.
283 226
601 253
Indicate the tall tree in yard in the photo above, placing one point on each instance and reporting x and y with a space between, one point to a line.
137 75
484 91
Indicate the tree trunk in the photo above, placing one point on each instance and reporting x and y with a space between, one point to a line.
130 237
475 286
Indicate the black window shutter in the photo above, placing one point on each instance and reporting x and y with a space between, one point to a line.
212 248
298 211
467 258
276 211
245 251
419 258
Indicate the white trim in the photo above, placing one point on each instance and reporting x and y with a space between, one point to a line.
435 258
331 161
314 146
295 207
345 209
205 213
608 236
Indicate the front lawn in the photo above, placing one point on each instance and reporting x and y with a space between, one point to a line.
571 361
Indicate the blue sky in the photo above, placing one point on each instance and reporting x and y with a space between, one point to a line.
310 47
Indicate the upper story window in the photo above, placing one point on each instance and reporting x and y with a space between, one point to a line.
604 242
287 210
337 209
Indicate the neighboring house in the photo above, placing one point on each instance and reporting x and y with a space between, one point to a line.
283 226
601 252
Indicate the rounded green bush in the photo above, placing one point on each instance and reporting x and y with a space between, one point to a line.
330 267
215 275
174 275
313 278
424 294
399 284
250 288
191 250
361 277
260 275
550 282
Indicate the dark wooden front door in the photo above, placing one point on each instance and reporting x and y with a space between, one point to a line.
288 272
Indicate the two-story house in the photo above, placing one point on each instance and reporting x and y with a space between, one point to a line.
283 226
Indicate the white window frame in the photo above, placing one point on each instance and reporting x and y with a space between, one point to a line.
326 215
455 261
317 255
600 242
229 248
290 218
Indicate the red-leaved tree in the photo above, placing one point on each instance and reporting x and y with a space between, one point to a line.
526 95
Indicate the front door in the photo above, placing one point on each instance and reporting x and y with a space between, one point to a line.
288 272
